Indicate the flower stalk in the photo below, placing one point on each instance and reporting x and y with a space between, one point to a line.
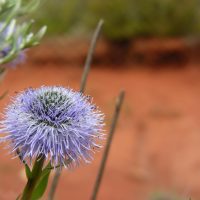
116 114
33 179
84 78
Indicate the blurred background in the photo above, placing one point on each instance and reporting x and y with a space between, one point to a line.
149 48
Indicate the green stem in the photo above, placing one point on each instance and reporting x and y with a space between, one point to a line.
32 181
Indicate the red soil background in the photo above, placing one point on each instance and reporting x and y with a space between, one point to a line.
156 147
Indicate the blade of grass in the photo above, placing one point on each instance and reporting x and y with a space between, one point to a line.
54 184
108 145
82 89
90 55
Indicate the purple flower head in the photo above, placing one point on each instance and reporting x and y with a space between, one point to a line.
55 122
6 46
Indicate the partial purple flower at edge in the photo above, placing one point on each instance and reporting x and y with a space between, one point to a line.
20 58
55 122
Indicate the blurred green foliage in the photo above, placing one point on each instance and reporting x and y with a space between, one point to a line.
60 16
129 18
124 19
118 15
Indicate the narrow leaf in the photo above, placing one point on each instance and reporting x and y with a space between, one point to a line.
42 185
28 172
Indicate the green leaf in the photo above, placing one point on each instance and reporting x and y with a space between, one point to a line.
42 184
30 7
10 14
11 29
47 168
38 36
28 172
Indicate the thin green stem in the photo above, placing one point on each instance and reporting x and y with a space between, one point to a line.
33 180
90 55
54 184
107 148
82 89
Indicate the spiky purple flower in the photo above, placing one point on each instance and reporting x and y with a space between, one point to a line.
55 122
